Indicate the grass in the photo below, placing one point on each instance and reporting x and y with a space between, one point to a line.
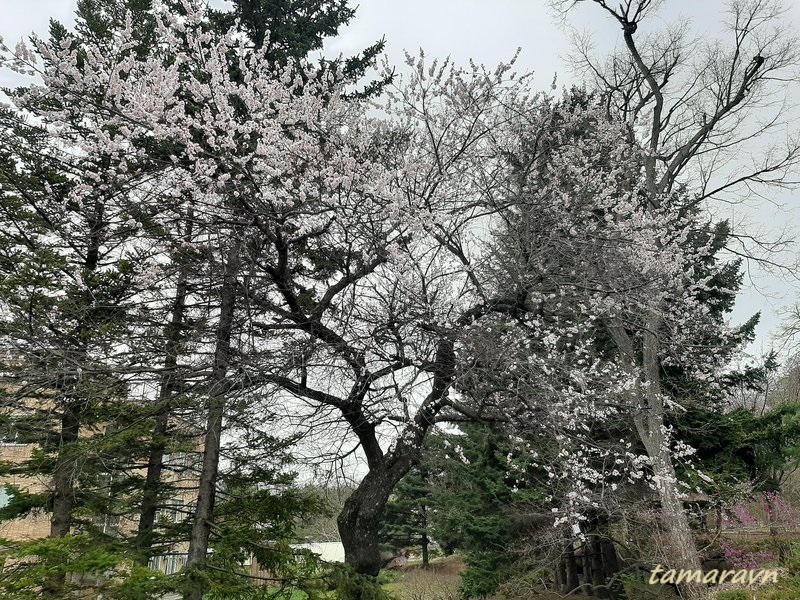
439 580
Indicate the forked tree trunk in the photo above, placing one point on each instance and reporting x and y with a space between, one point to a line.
649 421
680 549
360 519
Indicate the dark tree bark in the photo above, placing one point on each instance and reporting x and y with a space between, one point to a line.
155 462
63 487
571 567
152 486
586 567
561 577
206 493
423 511
63 493
596 564
425 543
360 520
610 562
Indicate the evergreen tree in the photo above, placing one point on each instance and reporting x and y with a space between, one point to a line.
67 294
405 522
477 483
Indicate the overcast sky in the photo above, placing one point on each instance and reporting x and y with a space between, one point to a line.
490 32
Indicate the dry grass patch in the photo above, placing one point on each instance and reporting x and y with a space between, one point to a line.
440 580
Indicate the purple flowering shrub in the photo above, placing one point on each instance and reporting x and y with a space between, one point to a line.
740 558
776 511
742 514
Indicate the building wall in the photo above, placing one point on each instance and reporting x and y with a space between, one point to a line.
35 525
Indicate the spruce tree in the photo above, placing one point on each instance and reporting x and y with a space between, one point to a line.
467 496
406 522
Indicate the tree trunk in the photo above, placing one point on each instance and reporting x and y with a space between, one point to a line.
155 462
680 549
596 563
610 562
71 416
586 569
424 542
63 496
571 569
206 493
63 492
561 576
649 421
152 487
772 518
360 519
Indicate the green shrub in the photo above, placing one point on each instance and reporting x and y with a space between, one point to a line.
346 584
792 560
386 576
779 595
735 595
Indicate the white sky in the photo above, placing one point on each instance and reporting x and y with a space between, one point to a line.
490 32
